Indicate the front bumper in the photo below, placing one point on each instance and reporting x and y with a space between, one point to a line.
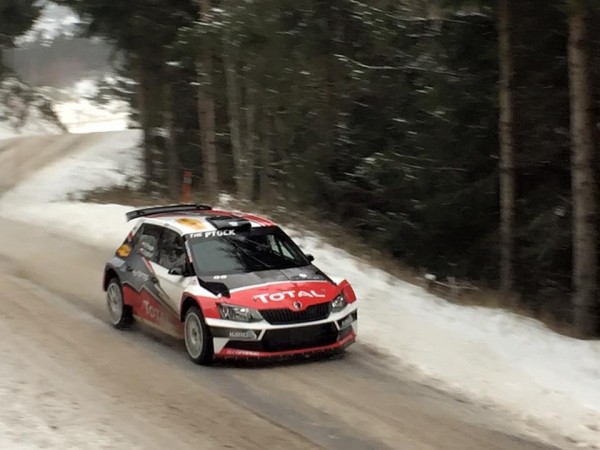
237 340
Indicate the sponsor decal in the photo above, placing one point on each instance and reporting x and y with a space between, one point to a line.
215 233
220 277
284 295
140 275
152 312
242 335
219 233
235 351
192 223
124 251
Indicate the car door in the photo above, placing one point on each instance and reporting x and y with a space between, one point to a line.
172 268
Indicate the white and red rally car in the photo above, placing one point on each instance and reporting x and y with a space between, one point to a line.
230 285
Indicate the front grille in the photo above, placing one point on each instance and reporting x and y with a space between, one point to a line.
292 339
287 316
297 338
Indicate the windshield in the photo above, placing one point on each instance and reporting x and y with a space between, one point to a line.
265 248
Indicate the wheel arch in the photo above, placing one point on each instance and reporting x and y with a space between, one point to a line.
109 274
187 303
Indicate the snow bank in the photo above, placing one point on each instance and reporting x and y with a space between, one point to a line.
33 128
81 114
506 361
24 111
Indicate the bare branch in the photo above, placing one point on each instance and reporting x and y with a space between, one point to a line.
405 68
444 169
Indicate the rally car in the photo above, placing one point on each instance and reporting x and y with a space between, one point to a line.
231 285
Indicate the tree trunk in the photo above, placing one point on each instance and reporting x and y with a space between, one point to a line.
144 105
507 150
173 172
206 110
583 184
250 141
240 160
282 143
265 159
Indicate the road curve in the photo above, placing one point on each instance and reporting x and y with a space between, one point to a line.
20 157
146 392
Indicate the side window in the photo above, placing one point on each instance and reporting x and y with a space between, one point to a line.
136 237
171 254
147 243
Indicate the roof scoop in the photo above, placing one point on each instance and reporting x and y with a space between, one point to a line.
229 223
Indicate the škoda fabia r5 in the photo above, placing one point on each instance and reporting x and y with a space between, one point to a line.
230 285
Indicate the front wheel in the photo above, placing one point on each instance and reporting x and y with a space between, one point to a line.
120 314
198 341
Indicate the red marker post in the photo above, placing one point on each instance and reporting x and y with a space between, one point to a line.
187 186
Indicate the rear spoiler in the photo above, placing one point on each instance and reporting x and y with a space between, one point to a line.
168 209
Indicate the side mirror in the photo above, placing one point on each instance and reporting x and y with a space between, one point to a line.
310 258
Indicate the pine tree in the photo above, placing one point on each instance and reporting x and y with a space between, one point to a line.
206 110
143 32
507 148
585 207
16 17
383 116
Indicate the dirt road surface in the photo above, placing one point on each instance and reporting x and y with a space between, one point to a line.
96 387
22 156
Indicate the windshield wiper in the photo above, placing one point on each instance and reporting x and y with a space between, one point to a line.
249 253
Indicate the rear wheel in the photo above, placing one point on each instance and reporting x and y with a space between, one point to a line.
120 314
198 341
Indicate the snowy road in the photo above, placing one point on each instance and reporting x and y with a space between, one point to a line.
22 156
68 380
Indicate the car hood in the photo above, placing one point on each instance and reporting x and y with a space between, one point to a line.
288 288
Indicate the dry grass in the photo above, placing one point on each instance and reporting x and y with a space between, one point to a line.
461 293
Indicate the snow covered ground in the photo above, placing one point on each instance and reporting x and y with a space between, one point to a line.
21 111
80 114
31 417
76 109
508 362
75 173
32 128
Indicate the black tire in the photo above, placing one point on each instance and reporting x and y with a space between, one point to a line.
120 314
197 337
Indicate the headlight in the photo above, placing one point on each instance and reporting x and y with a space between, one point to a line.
239 313
338 303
